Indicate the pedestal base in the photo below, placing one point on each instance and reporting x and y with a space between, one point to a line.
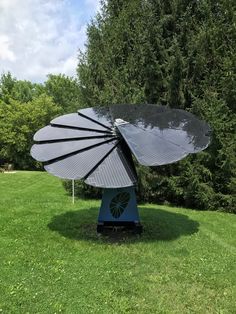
119 209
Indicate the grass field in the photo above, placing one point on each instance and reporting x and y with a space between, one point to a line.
52 261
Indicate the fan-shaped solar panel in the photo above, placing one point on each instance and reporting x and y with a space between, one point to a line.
49 151
114 171
76 121
95 144
99 115
80 164
52 134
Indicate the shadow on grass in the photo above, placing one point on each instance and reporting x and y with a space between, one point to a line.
158 225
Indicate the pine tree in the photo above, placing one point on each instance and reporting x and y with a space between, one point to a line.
180 53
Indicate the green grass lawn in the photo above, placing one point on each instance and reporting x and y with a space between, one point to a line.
52 261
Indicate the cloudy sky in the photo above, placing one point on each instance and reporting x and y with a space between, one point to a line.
38 37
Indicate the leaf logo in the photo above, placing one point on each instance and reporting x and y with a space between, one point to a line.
119 203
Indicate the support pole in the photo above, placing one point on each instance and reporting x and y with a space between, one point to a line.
73 191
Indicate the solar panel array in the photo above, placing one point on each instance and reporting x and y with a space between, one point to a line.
95 144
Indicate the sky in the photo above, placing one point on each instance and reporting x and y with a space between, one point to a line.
38 37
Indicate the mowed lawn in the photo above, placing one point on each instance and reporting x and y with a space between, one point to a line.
52 260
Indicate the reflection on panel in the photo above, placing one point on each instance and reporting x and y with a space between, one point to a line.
149 149
98 114
173 125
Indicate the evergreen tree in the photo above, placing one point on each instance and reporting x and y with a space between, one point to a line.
180 53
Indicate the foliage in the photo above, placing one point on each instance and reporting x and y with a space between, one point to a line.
22 91
26 107
18 123
177 53
82 190
52 260
64 92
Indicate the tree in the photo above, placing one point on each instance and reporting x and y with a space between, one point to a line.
64 92
7 83
180 53
22 91
18 123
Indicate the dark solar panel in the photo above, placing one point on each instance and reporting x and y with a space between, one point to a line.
75 146
74 120
99 114
46 152
174 126
133 114
149 149
53 133
114 172
160 117
79 165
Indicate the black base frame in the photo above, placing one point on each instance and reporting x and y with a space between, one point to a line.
136 227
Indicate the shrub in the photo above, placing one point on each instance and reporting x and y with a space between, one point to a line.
82 190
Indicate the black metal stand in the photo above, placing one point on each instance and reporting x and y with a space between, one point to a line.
136 227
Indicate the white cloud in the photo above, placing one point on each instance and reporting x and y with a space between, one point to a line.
95 4
38 37
5 52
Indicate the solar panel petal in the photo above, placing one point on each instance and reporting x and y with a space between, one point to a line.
114 172
50 151
99 114
79 165
52 133
74 120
